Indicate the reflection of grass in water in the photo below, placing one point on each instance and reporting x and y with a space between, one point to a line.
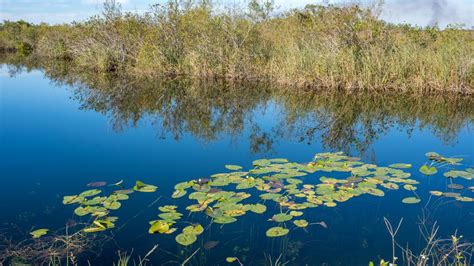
206 109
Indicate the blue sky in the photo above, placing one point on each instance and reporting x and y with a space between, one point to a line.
419 12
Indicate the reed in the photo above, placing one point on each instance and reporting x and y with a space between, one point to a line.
343 47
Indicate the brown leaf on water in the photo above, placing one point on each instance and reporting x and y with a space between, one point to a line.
210 244
97 184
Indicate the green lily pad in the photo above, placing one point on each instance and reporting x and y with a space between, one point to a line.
178 193
142 187
159 226
257 208
301 223
296 213
401 165
277 231
233 167
168 208
193 229
170 215
72 199
457 173
112 205
231 259
411 200
409 187
185 239
90 193
426 170
39 233
81 211
224 220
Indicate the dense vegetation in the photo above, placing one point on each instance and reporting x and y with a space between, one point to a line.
320 46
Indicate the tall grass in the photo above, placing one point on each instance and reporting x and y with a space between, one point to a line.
344 47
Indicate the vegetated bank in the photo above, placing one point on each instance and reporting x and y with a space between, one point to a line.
344 47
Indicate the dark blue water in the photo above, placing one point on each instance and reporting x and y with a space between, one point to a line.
58 135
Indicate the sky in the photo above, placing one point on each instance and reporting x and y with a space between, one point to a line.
415 12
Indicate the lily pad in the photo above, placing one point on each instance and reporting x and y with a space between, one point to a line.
90 193
277 231
436 193
39 233
178 193
185 239
168 208
231 259
233 167
411 200
455 186
142 187
281 217
159 226
428 170
257 208
301 223
193 229
170 215
224 220
400 165
112 205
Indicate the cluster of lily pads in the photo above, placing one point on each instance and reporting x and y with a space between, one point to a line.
290 187
99 207
438 161
224 197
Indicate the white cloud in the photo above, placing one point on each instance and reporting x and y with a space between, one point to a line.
98 2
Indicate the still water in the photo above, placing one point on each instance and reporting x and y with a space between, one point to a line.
60 131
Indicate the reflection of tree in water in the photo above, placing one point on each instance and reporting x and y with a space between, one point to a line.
206 109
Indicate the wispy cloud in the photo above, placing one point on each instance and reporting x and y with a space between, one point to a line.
97 2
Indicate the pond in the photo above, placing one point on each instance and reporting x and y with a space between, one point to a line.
63 132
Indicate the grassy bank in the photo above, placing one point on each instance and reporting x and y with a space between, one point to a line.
320 46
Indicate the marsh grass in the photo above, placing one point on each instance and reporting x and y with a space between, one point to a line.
57 248
345 47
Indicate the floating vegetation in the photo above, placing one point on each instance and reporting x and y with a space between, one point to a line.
301 223
233 167
142 187
428 170
277 231
401 165
99 207
468 174
455 186
97 184
39 233
411 200
292 187
433 156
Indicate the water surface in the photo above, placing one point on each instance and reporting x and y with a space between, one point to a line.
62 129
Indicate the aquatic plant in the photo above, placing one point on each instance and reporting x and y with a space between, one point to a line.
223 197
288 188
100 207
